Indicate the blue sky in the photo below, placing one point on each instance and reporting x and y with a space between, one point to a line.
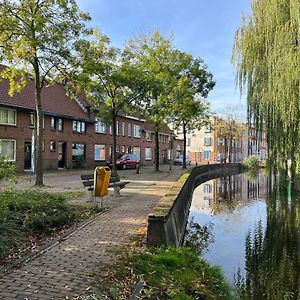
204 28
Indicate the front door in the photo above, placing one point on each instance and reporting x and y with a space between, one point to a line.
61 155
27 156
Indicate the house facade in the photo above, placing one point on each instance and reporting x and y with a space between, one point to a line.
210 144
73 136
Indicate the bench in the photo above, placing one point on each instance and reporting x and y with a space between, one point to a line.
88 182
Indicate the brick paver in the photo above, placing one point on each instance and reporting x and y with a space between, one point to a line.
63 271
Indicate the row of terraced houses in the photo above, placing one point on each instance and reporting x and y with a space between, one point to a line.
73 136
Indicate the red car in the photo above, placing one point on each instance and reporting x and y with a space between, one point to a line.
128 161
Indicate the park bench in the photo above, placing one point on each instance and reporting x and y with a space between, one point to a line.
88 182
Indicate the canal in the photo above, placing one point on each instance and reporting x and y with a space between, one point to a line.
252 233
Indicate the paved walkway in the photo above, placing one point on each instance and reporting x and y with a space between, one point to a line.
63 271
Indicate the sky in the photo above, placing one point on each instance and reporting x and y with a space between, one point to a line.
203 28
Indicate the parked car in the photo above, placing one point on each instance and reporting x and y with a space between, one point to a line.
128 161
109 162
179 160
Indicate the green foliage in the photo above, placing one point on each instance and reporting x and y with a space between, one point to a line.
111 84
7 173
170 273
159 62
251 163
266 55
38 38
34 214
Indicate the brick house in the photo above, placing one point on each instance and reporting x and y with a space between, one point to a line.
73 137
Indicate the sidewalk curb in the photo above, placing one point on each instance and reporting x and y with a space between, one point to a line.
10 267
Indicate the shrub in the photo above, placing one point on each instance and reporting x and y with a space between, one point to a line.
34 214
251 163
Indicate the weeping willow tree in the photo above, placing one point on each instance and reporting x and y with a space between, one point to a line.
266 55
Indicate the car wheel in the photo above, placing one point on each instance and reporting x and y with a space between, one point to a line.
124 167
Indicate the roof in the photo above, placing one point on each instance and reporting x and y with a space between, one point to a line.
54 100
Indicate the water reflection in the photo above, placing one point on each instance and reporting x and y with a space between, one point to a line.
256 234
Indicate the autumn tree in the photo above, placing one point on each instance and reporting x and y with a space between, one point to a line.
187 105
266 56
111 84
37 37
157 58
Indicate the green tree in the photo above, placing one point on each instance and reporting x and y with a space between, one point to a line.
156 57
37 37
266 56
111 84
187 108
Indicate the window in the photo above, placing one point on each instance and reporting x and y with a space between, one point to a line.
99 126
52 123
137 131
137 152
60 124
207 141
207 188
188 142
117 148
148 154
7 116
129 129
99 152
79 126
123 149
32 119
78 152
123 128
110 130
8 149
207 129
148 136
118 128
52 146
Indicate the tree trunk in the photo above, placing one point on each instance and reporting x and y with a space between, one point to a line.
156 150
184 146
39 161
114 175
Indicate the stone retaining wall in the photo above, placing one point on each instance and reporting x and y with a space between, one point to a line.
167 222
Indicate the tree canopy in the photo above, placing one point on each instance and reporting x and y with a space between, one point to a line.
38 37
266 54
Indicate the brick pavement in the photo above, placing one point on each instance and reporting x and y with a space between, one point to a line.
63 271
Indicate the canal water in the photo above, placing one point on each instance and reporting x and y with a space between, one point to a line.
253 234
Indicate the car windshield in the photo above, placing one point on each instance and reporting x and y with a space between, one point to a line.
124 157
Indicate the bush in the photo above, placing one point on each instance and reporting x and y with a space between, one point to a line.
34 215
251 163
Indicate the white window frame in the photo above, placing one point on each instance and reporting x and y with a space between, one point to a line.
137 152
129 129
123 128
137 131
118 128
148 136
207 139
98 146
99 126
148 153
8 110
15 143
